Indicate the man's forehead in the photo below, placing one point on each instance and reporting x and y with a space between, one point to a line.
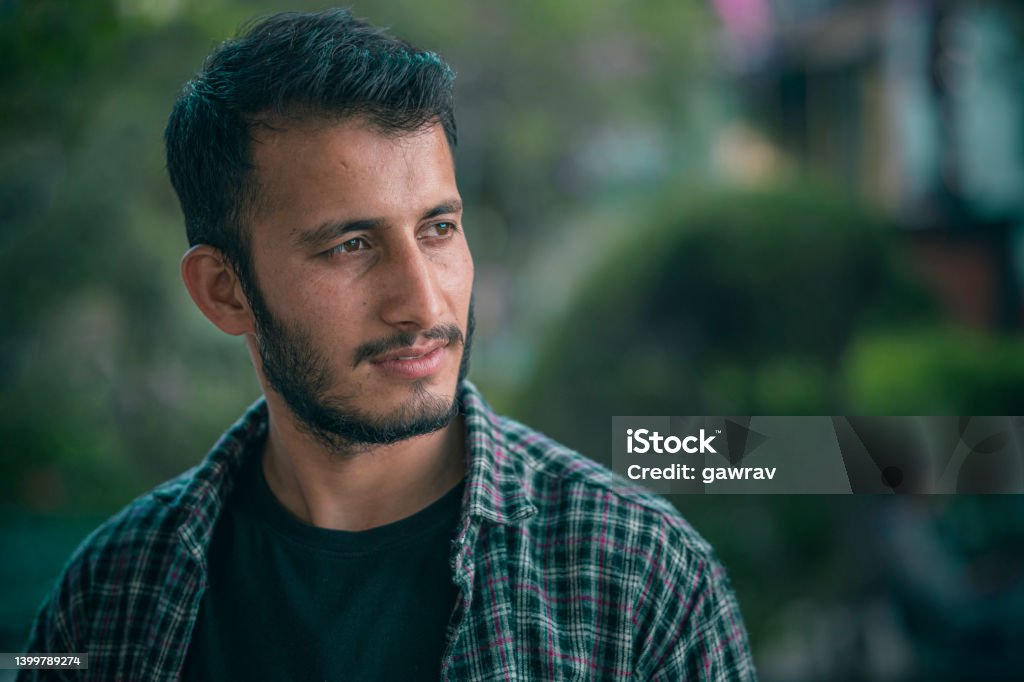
304 166
295 129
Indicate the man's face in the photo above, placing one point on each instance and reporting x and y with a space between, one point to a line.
363 279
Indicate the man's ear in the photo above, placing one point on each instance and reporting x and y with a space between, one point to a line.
214 286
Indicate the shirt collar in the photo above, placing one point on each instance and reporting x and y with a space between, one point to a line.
495 482
496 485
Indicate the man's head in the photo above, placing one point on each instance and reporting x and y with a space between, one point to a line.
313 160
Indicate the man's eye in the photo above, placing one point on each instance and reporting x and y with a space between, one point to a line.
349 246
443 229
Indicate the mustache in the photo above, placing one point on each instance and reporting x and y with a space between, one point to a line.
445 332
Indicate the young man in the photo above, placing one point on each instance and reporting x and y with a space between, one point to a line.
370 518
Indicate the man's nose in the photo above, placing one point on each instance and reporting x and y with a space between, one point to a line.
413 298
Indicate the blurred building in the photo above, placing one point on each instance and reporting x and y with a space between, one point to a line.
917 106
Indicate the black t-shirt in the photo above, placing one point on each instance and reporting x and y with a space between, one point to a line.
289 601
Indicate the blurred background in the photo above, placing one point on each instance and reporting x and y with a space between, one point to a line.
677 207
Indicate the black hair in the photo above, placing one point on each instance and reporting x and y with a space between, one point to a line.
327 65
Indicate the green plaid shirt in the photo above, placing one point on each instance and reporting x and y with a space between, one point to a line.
565 571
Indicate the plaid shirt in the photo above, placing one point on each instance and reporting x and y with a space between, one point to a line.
565 571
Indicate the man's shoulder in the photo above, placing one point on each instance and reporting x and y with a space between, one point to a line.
562 482
106 596
142 529
180 511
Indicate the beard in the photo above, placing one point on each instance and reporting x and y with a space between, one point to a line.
300 372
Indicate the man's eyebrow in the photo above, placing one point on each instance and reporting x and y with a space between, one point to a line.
450 206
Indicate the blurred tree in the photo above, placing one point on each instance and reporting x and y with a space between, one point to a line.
103 356
96 322
730 303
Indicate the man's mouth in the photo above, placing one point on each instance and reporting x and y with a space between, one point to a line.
410 352
407 346
412 362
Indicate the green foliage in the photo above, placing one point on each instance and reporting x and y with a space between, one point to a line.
96 403
726 303
45 48
110 380
934 372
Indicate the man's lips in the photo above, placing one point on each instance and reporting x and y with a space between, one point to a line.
407 344
409 352
413 362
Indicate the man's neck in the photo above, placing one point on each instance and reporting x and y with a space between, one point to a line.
361 491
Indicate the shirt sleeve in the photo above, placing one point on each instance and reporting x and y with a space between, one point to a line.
53 631
688 621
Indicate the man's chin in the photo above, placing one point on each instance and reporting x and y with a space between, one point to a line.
340 427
